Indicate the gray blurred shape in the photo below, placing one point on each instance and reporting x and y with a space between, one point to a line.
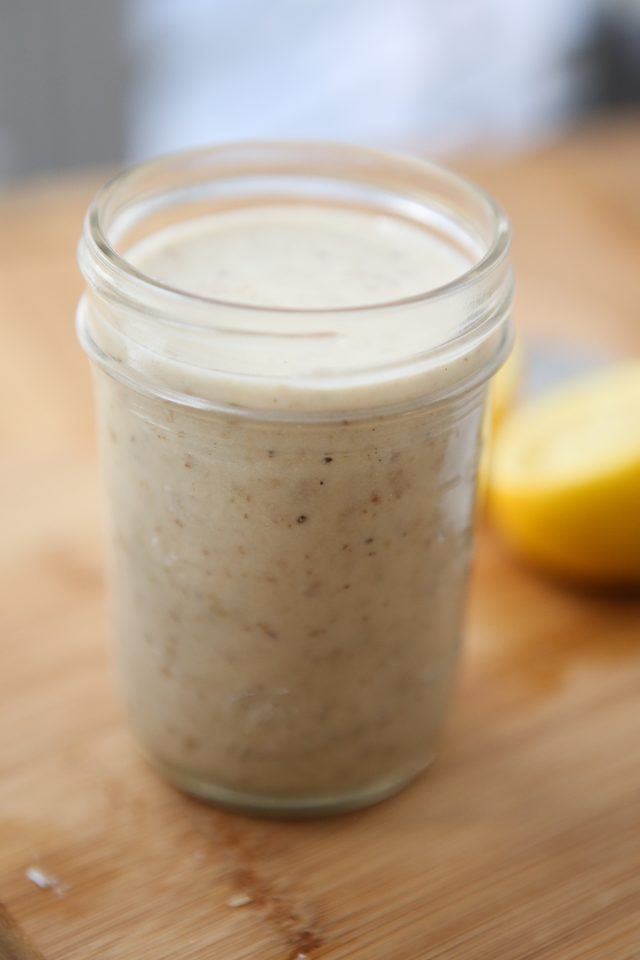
63 79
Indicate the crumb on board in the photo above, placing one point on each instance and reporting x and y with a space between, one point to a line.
45 881
239 900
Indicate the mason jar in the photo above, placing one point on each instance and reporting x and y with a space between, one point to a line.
292 344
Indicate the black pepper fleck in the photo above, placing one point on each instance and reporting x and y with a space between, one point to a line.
328 459
302 518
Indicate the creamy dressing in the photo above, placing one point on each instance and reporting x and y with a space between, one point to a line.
288 596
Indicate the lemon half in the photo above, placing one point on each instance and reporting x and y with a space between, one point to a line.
564 486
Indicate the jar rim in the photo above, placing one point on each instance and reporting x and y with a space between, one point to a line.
96 245
208 351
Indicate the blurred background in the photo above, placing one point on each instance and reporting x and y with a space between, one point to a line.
88 82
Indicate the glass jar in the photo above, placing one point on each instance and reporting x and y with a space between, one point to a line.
290 492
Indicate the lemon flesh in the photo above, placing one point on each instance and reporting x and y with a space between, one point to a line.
564 485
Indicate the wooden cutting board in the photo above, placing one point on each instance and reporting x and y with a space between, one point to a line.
521 843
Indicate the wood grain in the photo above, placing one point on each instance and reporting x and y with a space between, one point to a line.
13 943
522 842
